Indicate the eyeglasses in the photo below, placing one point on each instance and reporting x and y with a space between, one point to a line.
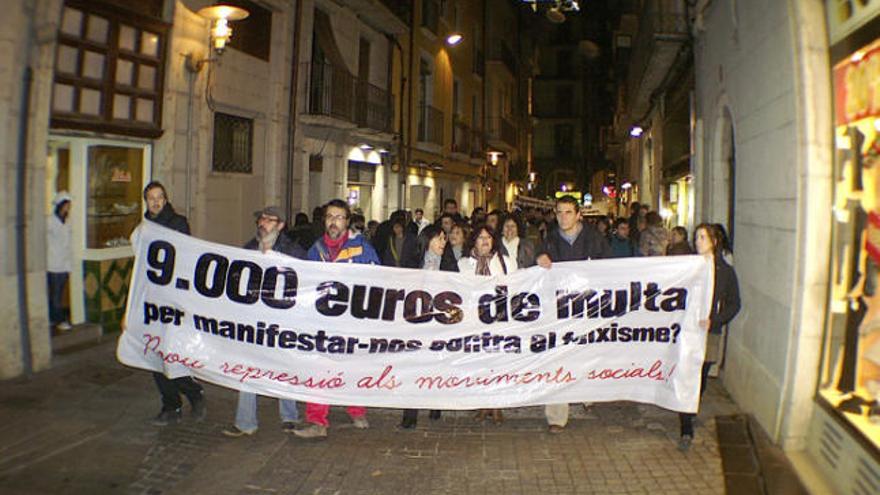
264 218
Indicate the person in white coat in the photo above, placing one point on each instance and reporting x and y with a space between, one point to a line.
59 259
485 259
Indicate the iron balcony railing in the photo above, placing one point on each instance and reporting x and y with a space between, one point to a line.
330 91
372 107
430 124
478 143
461 136
502 129
335 92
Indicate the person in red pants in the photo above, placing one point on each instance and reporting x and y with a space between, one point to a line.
337 245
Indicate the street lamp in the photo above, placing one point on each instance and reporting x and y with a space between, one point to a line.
454 38
220 16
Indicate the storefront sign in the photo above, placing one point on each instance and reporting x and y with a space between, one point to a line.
388 337
857 86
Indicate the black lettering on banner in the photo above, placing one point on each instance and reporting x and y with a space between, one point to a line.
254 282
525 307
164 264
270 285
332 292
446 307
219 264
418 307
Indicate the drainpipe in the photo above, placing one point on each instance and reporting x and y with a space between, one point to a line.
403 155
20 221
291 111
404 167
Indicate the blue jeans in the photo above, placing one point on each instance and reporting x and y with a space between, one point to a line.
246 414
56 282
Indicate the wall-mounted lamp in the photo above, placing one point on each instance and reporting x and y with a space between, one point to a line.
626 185
494 156
365 147
636 131
220 16
454 39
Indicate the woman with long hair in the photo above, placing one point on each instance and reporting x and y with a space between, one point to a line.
485 259
513 243
725 305
429 246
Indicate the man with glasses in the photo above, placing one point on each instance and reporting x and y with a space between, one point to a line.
571 240
269 237
337 245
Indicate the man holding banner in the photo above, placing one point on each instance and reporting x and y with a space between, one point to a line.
337 245
572 240
270 228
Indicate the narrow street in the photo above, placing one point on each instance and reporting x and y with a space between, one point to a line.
83 427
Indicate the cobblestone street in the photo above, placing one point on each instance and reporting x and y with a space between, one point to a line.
83 427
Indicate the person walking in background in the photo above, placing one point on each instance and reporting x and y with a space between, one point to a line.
571 240
429 250
679 242
159 210
337 245
725 306
621 245
269 237
485 259
400 250
59 259
654 239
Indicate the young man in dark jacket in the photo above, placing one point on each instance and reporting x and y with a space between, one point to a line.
269 237
159 210
571 240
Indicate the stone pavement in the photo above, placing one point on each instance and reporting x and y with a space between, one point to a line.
82 427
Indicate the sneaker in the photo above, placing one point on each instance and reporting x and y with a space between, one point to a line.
312 431
64 326
555 429
235 432
360 423
199 409
684 443
289 426
166 418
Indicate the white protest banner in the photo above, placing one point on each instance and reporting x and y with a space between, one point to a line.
345 334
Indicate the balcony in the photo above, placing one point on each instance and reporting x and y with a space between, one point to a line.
335 92
662 31
430 125
372 107
478 144
502 130
329 91
461 136
500 51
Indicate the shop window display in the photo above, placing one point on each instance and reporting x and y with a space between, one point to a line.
851 373
115 178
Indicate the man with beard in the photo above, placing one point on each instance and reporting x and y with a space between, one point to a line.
269 237
159 210
58 259
337 245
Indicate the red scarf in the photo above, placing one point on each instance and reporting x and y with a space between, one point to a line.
335 246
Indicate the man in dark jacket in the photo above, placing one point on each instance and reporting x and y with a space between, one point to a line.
571 240
159 210
269 237
621 245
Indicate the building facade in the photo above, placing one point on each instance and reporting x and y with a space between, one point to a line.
784 132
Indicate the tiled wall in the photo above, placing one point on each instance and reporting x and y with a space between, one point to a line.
105 287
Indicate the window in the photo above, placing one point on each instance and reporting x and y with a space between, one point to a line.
108 70
252 35
430 15
233 144
564 140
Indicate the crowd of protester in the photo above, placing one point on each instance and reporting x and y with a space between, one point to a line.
486 244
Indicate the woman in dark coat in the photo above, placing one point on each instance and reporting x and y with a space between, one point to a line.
429 248
725 305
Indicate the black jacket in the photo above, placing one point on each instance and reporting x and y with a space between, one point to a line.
282 245
725 298
170 218
407 257
589 244
525 253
